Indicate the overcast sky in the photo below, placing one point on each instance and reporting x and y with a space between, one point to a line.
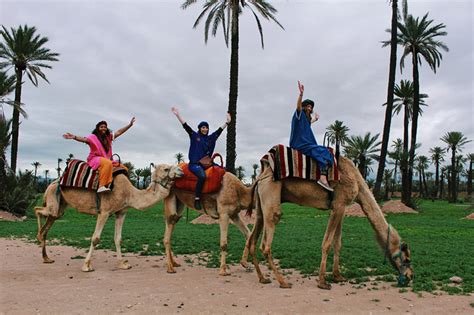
120 59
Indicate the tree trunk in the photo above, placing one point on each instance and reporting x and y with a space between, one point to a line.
424 183
469 181
406 195
414 122
362 167
388 110
231 154
441 186
436 179
394 177
452 197
16 121
420 185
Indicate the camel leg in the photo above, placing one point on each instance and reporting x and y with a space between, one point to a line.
101 220
246 232
337 248
119 220
42 234
252 245
334 219
224 228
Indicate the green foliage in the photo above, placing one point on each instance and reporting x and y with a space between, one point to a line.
19 194
439 240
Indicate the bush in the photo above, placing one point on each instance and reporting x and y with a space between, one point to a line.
18 194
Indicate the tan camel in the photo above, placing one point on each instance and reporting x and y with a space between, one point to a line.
351 187
224 205
123 196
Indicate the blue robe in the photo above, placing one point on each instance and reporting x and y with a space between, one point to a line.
303 140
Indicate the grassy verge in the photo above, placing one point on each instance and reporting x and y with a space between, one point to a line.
440 239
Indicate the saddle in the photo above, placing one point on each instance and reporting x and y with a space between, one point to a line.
78 174
213 183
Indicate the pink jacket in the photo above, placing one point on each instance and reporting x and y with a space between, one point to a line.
97 151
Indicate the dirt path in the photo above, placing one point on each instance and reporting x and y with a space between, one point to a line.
27 286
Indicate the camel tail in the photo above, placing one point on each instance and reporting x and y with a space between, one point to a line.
252 199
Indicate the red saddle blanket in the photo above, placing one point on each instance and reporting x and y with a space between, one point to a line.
79 174
287 162
212 184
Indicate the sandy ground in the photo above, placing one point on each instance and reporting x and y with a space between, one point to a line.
27 286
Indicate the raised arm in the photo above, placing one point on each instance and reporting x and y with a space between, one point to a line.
70 136
175 111
315 118
121 131
227 121
300 97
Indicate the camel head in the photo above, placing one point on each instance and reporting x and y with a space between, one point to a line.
400 259
165 174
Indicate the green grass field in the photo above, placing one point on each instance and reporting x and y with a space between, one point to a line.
441 241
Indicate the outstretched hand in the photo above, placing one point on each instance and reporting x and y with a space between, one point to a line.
132 121
315 117
301 88
68 136
228 118
175 111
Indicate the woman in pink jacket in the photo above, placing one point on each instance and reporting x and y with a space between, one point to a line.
100 156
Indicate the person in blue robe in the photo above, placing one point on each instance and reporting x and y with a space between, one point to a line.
303 140
202 145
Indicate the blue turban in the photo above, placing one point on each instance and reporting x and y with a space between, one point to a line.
202 124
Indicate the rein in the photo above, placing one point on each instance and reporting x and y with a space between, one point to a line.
163 183
402 279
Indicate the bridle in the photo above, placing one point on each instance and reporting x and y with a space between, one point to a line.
165 183
404 264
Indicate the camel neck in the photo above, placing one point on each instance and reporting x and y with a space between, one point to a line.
143 199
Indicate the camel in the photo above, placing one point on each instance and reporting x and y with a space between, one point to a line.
351 187
224 205
123 196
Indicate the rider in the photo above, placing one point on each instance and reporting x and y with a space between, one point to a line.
303 140
202 146
100 155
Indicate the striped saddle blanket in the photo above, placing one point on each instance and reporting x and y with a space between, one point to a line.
79 174
286 162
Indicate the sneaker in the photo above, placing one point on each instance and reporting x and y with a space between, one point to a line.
102 189
325 186
197 204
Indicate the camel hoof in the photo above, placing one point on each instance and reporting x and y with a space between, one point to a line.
224 273
265 281
124 265
87 267
47 260
324 286
339 278
285 285
175 264
171 270
244 264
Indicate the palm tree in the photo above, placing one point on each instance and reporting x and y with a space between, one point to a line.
455 141
390 90
254 175
7 85
69 157
23 51
442 176
362 150
36 165
46 173
437 156
422 165
387 177
5 139
470 158
58 169
396 155
240 172
138 173
146 172
226 13
404 93
179 157
419 38
337 134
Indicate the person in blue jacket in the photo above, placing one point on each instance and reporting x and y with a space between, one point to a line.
303 140
202 145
